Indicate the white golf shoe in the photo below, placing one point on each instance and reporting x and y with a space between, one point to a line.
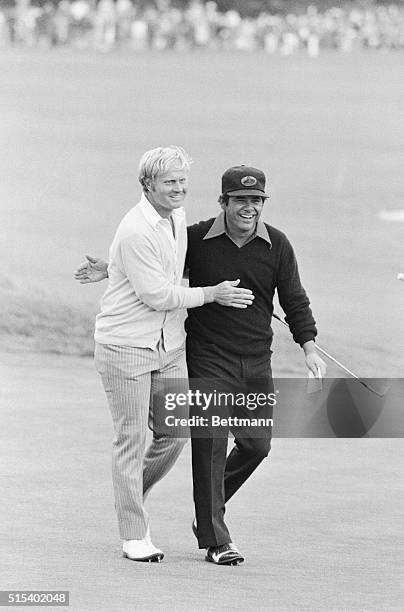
142 550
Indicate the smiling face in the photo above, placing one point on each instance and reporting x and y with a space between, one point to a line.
242 214
167 191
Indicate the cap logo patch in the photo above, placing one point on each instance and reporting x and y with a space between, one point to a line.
248 181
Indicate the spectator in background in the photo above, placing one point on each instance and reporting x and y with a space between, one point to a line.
161 25
45 31
139 33
105 25
62 19
3 30
82 22
26 19
125 14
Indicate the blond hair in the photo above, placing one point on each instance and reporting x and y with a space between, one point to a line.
157 161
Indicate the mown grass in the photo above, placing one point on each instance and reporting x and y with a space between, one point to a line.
35 320
327 132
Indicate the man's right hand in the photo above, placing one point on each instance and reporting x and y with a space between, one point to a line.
227 293
91 271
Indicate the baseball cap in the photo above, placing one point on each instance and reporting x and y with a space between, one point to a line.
244 180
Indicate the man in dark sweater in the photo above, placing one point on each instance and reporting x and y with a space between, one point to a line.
231 348
235 345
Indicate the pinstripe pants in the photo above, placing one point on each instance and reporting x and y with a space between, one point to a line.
132 377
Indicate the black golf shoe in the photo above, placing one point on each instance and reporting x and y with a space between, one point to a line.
226 554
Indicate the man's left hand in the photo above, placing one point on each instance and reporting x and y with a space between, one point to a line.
316 364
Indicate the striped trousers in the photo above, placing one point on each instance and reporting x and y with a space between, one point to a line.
132 377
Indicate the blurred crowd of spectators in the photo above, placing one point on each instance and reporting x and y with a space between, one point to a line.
106 24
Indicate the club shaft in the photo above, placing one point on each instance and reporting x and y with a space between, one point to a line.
338 363
324 352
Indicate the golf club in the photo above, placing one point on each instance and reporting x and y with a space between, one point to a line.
338 363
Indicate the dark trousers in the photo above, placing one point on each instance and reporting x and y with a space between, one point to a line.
217 477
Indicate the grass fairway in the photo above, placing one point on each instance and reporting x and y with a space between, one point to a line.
328 132
319 522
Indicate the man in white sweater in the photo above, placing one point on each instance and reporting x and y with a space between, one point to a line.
140 337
